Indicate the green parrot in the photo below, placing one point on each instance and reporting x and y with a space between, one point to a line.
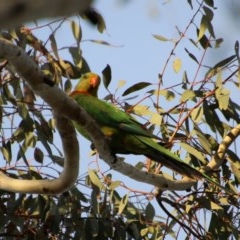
124 133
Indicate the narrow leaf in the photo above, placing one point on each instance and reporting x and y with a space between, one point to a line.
136 87
223 97
236 48
114 185
95 179
209 3
38 155
95 18
161 38
77 32
208 12
107 75
123 204
225 61
203 27
190 3
193 151
150 211
191 56
54 45
7 152
197 114
214 70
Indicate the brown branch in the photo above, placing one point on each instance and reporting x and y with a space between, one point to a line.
68 176
218 158
14 13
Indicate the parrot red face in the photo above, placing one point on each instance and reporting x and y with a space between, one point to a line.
88 85
94 81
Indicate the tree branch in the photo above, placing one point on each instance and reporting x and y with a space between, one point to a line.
218 158
68 176
64 105
14 13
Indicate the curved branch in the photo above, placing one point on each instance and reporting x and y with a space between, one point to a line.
64 105
68 176
160 181
218 158
13 13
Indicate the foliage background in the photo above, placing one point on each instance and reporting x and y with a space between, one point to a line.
104 204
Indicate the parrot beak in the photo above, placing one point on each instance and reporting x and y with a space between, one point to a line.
95 81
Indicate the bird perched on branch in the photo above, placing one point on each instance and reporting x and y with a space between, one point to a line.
124 133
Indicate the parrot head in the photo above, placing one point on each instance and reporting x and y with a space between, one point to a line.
88 84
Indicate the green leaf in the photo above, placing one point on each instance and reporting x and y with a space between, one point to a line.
76 55
77 31
209 2
46 130
144 232
197 114
214 70
161 38
203 27
185 80
56 159
22 110
67 86
204 41
218 42
191 56
212 141
54 45
123 204
107 75
75 191
190 3
236 48
203 140
169 95
121 83
114 185
150 211
193 151
38 155
30 140
95 18
69 70
223 97
209 116
235 164
94 202
142 110
177 65
42 138
136 87
187 95
21 154
95 179
209 13
6 151
101 42
156 119
211 30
